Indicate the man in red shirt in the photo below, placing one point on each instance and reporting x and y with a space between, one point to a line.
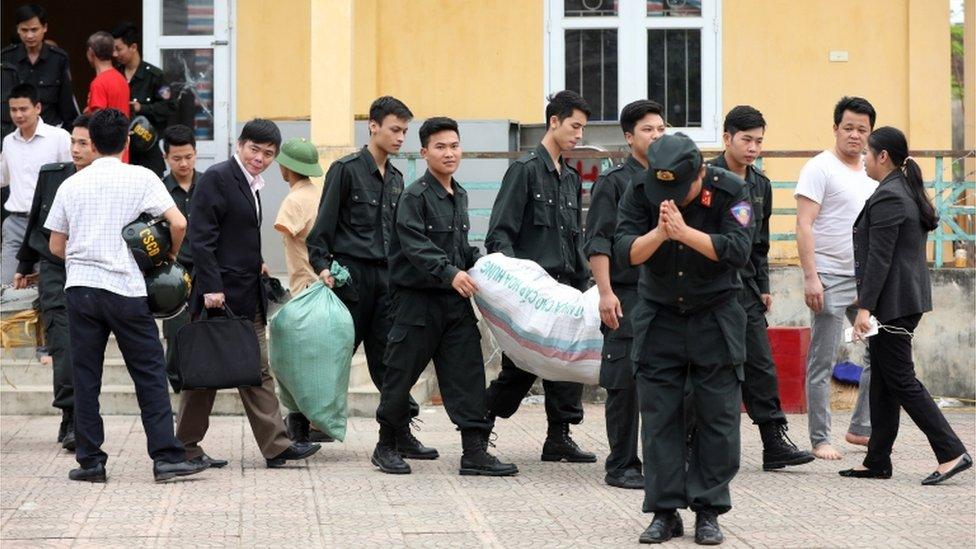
109 89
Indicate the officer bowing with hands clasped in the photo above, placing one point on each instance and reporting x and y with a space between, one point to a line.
689 227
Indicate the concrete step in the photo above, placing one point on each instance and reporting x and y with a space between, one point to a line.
25 388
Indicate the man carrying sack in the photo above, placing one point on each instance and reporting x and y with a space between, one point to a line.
225 239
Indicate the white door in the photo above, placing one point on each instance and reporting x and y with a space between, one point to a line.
190 41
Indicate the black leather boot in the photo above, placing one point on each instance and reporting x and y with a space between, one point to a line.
477 461
778 450
560 446
410 448
707 531
386 457
664 526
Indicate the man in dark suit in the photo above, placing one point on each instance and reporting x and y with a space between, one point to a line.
225 241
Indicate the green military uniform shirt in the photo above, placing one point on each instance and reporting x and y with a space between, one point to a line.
755 274
537 216
51 76
36 237
356 214
430 244
182 199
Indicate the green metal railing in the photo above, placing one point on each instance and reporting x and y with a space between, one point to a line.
946 193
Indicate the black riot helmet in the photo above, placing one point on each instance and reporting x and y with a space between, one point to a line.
142 134
168 288
149 240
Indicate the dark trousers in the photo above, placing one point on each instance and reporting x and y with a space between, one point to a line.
449 335
152 159
661 387
760 389
54 315
367 296
622 409
894 386
92 314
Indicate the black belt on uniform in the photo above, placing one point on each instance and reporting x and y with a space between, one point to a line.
19 214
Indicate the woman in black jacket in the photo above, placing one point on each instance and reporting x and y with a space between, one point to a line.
893 285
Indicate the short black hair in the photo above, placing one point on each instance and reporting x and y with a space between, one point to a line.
102 44
109 130
82 121
562 104
741 118
127 32
434 125
24 90
29 11
633 112
261 131
857 105
178 135
387 105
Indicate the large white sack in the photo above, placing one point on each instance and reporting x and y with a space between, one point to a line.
546 328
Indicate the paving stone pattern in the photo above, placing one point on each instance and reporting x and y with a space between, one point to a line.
337 499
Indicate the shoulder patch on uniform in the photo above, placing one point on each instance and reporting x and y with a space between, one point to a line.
54 166
742 212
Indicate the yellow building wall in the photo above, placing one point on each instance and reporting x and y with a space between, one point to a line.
273 49
775 58
462 58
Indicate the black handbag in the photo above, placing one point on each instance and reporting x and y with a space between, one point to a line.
216 352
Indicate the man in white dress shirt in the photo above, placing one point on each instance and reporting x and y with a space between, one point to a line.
25 150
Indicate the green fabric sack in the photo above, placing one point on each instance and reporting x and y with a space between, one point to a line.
310 348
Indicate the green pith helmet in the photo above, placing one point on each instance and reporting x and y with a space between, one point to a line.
301 157
149 240
168 288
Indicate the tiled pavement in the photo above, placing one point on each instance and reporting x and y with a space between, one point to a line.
338 499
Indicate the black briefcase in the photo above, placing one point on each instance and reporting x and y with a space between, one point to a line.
216 352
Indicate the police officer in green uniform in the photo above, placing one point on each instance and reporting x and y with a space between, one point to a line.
432 313
354 227
35 251
536 216
179 145
642 124
743 135
150 94
35 62
689 226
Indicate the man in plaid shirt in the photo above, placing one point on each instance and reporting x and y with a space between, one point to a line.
106 292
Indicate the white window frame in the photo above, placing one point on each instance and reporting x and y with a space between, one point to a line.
154 42
632 24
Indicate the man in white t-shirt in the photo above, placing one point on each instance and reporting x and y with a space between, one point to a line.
830 193
106 292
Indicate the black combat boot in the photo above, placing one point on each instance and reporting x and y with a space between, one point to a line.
409 447
707 530
297 426
385 455
778 450
560 446
477 461
664 526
